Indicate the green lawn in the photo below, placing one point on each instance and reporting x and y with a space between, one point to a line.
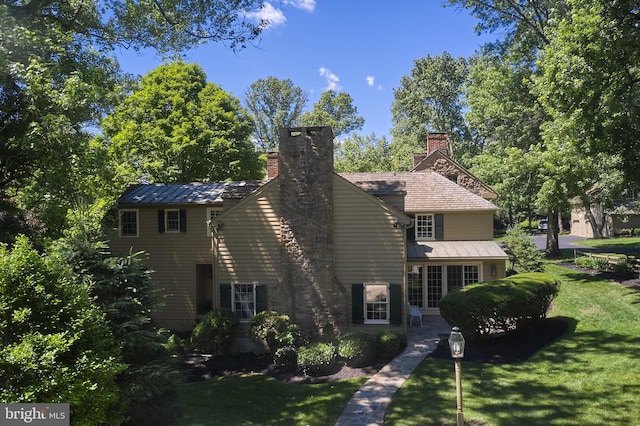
611 244
590 376
258 400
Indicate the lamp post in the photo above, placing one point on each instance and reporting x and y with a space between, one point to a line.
456 344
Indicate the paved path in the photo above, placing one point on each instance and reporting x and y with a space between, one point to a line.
369 404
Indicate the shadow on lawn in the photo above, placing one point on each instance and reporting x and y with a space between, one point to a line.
546 399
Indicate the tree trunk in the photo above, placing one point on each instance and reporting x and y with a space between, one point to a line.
553 247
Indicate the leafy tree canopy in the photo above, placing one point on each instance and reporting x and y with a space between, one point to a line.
274 104
429 100
590 81
358 153
336 110
177 127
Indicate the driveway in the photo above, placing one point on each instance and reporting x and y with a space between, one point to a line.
565 242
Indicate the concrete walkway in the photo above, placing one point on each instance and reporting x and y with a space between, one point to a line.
369 404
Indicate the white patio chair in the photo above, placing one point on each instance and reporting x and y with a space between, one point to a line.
414 312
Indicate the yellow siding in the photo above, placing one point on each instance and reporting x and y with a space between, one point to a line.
468 226
172 257
249 244
367 246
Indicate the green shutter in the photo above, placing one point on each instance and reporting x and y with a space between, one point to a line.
439 219
411 231
395 304
357 303
261 298
225 296
183 221
161 221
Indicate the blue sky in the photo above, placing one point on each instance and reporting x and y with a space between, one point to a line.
361 47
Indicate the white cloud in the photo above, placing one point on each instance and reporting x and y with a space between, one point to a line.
269 14
308 5
371 80
332 79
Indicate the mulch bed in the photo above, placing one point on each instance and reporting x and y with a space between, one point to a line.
509 349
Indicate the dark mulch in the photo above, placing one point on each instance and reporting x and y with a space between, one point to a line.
197 368
510 348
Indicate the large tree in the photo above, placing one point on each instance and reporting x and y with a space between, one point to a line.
358 153
177 127
590 81
58 77
336 110
273 104
430 99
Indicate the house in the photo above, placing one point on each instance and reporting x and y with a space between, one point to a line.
622 217
350 251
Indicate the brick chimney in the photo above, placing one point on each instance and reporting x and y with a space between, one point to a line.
417 158
309 291
272 165
437 141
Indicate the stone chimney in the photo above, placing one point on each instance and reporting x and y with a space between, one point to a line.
272 165
437 141
309 291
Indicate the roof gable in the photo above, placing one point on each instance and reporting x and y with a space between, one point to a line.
441 163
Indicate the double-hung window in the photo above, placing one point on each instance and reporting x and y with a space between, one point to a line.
244 301
376 304
212 213
172 220
128 223
425 227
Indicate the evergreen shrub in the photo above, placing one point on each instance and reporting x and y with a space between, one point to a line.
357 349
213 333
389 344
318 359
511 304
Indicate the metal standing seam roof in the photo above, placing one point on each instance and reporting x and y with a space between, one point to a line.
174 193
449 250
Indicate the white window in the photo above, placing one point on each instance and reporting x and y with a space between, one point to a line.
424 227
244 301
376 303
172 220
212 213
128 223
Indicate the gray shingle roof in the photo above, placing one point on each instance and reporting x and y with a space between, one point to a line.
426 191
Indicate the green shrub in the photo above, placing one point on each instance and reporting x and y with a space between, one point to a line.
357 349
55 344
286 356
511 304
624 269
318 359
523 253
175 345
389 344
213 333
274 329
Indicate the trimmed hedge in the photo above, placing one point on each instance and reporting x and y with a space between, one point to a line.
511 304
318 359
357 349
